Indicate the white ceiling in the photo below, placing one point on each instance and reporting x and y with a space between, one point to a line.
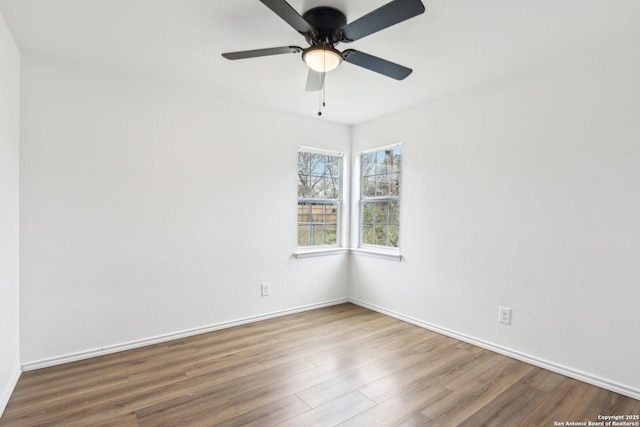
455 44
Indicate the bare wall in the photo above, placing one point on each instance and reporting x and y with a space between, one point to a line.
149 210
525 193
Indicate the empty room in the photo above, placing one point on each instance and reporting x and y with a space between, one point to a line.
319 213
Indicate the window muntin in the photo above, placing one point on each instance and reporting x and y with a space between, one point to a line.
380 197
319 198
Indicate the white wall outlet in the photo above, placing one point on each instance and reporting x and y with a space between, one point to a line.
265 289
504 315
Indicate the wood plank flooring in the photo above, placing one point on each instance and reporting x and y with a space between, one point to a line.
342 365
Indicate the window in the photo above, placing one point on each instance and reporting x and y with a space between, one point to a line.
380 197
319 197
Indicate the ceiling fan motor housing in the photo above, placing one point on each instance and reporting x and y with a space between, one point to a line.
327 22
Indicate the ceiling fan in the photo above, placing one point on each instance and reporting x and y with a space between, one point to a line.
325 27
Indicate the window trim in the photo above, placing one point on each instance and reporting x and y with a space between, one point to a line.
312 252
341 238
382 148
378 251
322 151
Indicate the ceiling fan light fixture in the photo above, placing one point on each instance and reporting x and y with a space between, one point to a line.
322 58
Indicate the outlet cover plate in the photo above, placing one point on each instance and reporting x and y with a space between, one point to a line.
265 289
504 315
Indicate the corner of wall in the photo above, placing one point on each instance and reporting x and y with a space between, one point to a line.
9 214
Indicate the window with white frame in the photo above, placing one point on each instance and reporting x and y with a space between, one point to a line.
380 197
319 197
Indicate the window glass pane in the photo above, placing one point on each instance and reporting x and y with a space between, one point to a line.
316 164
304 235
367 213
369 186
367 235
394 235
332 167
367 164
332 235
381 213
394 213
382 185
331 188
331 214
380 162
317 235
319 178
325 211
302 186
315 186
388 161
317 214
303 163
336 188
380 235
394 184
380 197
303 213
397 160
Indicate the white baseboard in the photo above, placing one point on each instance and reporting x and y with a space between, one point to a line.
73 357
562 370
6 393
545 364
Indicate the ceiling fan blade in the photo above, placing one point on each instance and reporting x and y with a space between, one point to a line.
379 65
390 14
262 52
315 81
289 15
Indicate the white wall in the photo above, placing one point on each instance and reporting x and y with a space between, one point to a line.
524 193
9 214
148 210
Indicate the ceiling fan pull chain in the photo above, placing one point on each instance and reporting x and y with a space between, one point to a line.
324 79
321 94
324 92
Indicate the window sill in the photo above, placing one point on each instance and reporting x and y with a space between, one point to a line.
388 255
311 253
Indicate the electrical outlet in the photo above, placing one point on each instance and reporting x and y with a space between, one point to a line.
266 289
504 315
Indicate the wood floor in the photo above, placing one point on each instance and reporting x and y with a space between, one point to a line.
342 365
